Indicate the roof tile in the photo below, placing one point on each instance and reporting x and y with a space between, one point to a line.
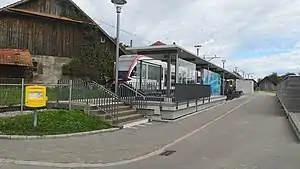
17 57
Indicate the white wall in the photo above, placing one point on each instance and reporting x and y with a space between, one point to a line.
247 86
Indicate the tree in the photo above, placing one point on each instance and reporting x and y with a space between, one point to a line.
94 63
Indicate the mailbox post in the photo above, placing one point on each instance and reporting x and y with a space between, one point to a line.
35 97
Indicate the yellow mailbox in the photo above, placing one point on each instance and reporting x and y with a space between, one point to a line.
35 96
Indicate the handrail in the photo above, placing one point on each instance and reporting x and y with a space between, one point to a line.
133 97
135 91
105 89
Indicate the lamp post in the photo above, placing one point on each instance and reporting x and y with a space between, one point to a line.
223 61
235 69
198 48
119 4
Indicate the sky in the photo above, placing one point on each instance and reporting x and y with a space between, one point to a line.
257 36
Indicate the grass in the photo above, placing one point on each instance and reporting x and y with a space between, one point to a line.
11 95
51 123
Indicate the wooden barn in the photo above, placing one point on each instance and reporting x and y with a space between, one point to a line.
53 32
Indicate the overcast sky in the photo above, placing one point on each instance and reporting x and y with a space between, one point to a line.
258 36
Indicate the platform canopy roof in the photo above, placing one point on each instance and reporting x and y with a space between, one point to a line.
161 52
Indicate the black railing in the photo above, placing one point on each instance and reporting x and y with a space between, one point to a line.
92 93
132 96
188 92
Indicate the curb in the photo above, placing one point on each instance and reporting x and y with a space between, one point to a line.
294 126
21 137
188 115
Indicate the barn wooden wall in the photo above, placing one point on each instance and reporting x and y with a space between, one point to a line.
54 7
40 36
44 36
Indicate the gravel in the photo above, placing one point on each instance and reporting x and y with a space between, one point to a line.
15 113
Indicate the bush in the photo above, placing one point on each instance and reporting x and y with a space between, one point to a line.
52 122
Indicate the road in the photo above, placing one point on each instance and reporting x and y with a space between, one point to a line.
251 133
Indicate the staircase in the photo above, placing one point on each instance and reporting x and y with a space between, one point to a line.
121 110
126 114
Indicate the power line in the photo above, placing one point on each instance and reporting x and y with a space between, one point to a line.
125 31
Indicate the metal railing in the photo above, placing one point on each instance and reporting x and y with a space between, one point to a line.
133 97
12 94
288 92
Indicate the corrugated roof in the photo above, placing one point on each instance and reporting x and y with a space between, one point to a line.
17 57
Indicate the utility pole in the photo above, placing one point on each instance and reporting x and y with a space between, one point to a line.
118 4
224 81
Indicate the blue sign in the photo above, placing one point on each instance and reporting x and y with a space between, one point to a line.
214 80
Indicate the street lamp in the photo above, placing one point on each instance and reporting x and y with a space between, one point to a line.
119 4
236 69
224 61
198 48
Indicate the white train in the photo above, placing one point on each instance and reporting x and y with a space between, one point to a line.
154 72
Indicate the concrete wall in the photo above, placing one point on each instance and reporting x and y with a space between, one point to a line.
247 86
51 68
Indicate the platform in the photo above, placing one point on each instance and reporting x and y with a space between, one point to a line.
173 111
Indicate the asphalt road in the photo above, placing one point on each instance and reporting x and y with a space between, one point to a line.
255 135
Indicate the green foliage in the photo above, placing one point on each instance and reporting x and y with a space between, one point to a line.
68 10
94 63
52 122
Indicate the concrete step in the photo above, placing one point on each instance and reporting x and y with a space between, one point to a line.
133 123
127 113
125 107
121 108
120 104
97 112
129 118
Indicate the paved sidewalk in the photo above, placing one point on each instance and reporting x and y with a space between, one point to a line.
110 147
295 122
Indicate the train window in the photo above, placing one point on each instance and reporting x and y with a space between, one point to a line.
143 70
133 73
153 72
122 74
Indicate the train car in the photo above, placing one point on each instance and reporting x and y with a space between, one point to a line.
153 72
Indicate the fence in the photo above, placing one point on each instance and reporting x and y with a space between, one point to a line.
288 91
133 97
186 92
180 94
12 93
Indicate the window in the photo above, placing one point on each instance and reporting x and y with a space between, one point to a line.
122 74
102 39
35 66
40 68
154 72
143 70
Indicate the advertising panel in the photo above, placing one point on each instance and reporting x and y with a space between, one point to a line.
213 79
